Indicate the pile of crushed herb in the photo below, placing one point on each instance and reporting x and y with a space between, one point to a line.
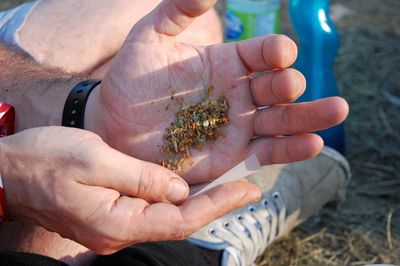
194 126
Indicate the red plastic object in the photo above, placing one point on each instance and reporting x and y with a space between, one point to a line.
7 120
7 127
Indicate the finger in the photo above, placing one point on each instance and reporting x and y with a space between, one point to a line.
137 178
267 53
289 119
170 18
278 87
126 221
280 150
178 223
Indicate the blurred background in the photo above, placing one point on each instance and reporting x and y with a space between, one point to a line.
365 228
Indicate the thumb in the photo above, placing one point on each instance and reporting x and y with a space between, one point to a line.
170 18
139 179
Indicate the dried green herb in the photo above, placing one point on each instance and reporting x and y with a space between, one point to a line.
193 127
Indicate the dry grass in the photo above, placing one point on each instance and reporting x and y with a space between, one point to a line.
366 227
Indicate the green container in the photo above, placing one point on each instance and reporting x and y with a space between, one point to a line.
251 18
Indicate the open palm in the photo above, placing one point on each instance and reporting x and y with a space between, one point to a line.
152 72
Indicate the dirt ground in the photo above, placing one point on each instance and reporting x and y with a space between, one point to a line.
365 228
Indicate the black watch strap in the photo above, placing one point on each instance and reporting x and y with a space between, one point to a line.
74 109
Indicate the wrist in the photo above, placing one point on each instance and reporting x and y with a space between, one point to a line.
75 105
37 92
41 109
95 115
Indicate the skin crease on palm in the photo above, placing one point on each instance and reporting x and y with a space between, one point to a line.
134 114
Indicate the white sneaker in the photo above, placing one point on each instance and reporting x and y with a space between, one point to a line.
291 194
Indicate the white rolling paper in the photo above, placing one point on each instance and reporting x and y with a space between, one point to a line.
248 167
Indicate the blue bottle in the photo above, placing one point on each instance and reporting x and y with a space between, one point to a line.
319 42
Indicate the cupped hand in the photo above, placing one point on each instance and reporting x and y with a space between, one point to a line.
134 104
70 182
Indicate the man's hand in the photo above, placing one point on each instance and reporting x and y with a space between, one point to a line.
71 182
133 106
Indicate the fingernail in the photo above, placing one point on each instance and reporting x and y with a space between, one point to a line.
177 191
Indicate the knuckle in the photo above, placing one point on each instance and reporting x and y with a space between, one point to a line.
286 119
146 182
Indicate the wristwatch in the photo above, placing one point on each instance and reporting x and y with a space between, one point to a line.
7 127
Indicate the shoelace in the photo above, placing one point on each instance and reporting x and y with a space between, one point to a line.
249 232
